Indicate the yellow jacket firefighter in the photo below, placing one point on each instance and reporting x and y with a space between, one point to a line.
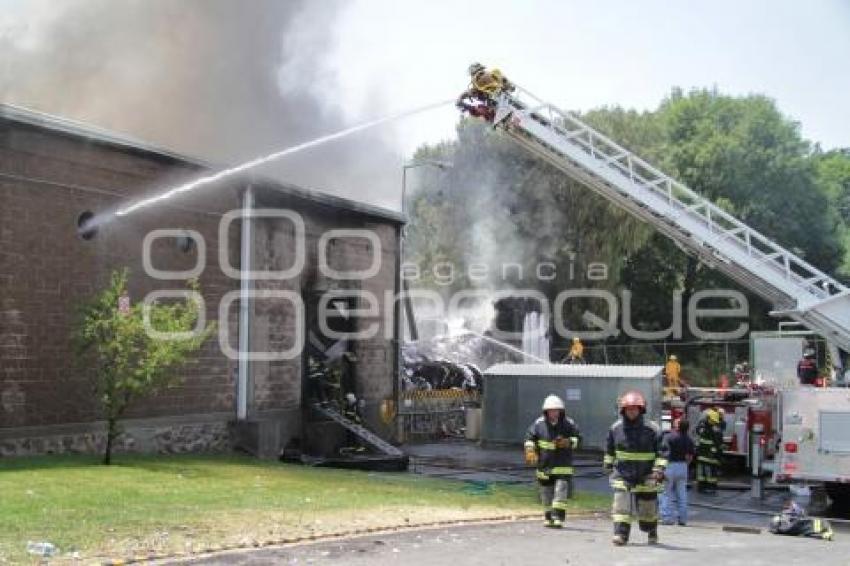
673 371
490 82
576 350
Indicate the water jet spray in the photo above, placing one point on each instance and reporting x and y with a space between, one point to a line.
91 224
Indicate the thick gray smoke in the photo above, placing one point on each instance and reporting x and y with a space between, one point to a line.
221 80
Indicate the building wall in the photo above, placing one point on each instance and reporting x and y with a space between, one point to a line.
277 384
47 179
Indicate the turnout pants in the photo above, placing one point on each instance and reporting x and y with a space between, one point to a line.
707 469
802 527
554 492
640 500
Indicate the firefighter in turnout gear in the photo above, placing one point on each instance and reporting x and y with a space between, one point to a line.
480 98
709 449
635 457
673 373
488 84
549 445
576 355
807 368
351 411
794 521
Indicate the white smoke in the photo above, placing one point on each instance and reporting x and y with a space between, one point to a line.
221 80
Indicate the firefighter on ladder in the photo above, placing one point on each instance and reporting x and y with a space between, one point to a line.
635 457
709 449
479 99
549 445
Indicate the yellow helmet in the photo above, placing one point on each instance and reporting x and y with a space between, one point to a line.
713 416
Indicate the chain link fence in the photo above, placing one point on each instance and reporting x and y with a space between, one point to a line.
703 362
435 414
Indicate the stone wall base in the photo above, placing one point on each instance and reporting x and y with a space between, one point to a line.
208 433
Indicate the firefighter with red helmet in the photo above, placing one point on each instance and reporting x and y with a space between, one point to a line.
635 457
549 445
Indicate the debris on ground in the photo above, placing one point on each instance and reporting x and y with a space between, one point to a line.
452 361
44 549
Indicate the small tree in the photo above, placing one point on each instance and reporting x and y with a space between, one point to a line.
124 359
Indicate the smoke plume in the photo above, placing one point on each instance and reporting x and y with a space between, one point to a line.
221 80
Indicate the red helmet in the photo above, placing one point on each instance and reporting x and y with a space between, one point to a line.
632 399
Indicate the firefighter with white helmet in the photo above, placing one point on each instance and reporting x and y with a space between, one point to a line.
636 458
549 445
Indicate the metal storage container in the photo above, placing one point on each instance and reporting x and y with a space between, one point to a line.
514 393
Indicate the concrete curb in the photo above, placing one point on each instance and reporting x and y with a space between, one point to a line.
236 549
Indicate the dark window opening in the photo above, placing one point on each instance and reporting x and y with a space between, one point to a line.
85 225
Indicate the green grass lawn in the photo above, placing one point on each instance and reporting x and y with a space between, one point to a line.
141 505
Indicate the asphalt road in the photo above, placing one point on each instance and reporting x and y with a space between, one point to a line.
583 541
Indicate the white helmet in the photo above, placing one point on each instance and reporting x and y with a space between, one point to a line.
351 398
553 402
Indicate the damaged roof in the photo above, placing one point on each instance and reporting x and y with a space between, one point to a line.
91 133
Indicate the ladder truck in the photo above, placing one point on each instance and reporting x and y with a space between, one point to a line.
812 424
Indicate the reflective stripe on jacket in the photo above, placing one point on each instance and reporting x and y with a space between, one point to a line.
709 442
542 437
634 449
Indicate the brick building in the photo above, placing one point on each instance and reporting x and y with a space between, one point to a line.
53 173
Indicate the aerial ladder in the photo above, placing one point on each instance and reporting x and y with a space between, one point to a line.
795 288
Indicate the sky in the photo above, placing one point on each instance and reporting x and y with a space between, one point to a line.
347 61
581 55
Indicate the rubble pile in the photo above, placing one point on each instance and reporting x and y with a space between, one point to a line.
451 361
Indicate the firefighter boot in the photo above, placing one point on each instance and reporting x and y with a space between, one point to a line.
548 519
621 533
558 516
653 537
619 540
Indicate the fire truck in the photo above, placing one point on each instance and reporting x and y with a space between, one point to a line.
804 431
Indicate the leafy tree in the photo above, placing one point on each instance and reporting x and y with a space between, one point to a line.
833 173
744 155
126 361
500 204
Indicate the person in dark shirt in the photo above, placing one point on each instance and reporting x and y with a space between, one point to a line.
681 451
